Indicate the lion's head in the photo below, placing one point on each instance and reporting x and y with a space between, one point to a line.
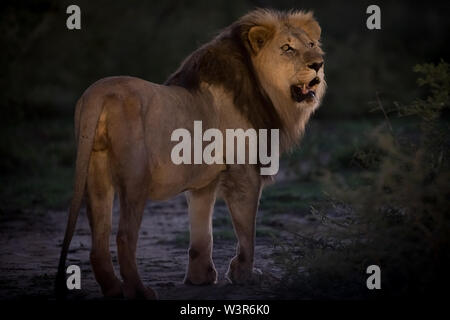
271 62
285 50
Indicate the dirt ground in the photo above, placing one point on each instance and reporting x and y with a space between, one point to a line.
30 246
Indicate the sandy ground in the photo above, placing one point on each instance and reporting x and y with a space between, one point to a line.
30 245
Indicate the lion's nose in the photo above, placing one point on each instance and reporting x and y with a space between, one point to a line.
316 66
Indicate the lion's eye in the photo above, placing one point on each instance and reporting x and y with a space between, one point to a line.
287 48
311 44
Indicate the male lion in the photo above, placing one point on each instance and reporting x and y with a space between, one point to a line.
263 71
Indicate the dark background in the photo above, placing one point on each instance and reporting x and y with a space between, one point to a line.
45 68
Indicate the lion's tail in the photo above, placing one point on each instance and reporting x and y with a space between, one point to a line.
87 113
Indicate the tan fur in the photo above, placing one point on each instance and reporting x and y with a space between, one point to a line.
123 125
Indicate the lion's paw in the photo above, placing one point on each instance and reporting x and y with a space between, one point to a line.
239 273
139 292
114 291
201 276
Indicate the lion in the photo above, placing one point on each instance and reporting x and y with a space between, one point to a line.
266 70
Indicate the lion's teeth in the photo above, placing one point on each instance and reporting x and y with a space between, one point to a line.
304 89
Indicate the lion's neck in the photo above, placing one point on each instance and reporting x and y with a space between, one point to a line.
222 102
293 118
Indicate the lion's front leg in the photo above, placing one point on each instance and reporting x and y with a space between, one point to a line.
242 192
201 268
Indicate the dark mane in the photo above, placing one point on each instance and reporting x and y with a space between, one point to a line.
225 61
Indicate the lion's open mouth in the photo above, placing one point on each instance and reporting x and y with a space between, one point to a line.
302 92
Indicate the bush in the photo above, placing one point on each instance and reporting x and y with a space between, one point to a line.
398 219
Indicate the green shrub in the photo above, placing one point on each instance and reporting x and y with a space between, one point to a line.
398 219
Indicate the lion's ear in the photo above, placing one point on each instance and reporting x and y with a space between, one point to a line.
258 36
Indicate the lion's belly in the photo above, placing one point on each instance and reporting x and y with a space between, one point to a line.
168 180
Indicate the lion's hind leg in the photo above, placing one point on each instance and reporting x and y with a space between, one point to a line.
131 176
100 196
